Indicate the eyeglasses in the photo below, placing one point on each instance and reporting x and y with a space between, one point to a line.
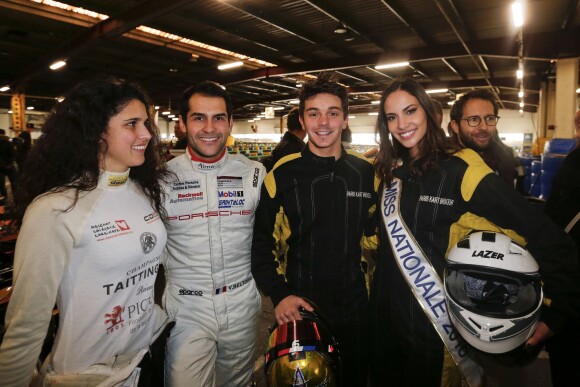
476 120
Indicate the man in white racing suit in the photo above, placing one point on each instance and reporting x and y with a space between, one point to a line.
210 291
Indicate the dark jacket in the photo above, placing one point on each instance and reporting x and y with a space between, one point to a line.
290 143
329 205
563 203
473 199
500 158
7 154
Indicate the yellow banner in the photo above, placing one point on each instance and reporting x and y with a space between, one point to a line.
18 107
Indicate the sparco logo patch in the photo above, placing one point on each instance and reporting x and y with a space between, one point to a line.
487 254
256 175
187 292
148 242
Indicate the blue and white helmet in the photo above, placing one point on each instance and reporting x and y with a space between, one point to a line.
493 291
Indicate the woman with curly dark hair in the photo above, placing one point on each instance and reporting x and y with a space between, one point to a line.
433 196
88 207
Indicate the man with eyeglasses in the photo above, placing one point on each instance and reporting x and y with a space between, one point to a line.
474 125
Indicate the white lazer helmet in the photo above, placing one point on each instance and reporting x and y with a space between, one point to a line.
493 291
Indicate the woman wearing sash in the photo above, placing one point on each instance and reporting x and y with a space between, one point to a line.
433 196
90 240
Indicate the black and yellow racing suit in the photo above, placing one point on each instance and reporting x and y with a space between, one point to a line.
328 206
441 207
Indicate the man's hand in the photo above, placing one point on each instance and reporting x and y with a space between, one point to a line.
540 335
534 344
287 309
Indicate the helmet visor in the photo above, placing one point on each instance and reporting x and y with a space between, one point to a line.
493 292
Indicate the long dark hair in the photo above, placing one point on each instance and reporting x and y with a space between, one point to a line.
432 147
66 155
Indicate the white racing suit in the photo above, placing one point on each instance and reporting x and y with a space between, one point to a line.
210 290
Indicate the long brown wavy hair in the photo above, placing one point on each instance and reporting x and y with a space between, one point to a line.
434 146
66 155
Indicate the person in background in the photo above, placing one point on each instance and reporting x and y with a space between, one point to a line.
210 206
23 144
346 138
181 142
563 207
473 124
291 142
441 194
88 208
438 111
327 197
8 167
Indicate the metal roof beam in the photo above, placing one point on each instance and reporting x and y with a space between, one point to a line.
396 9
107 29
539 46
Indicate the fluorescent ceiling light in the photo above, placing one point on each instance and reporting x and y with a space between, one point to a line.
578 90
57 65
435 91
451 103
230 65
521 111
30 108
165 113
518 13
391 65
171 116
4 88
351 117
156 107
340 29
279 108
521 94
375 102
294 102
521 104
374 114
166 37
250 120
175 119
520 74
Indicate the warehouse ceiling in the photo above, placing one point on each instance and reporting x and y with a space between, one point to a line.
168 45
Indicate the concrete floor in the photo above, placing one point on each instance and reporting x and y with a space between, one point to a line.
536 374
265 321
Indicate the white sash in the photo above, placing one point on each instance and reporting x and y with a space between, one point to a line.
424 282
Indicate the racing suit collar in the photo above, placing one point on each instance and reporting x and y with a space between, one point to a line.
113 180
206 167
306 152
